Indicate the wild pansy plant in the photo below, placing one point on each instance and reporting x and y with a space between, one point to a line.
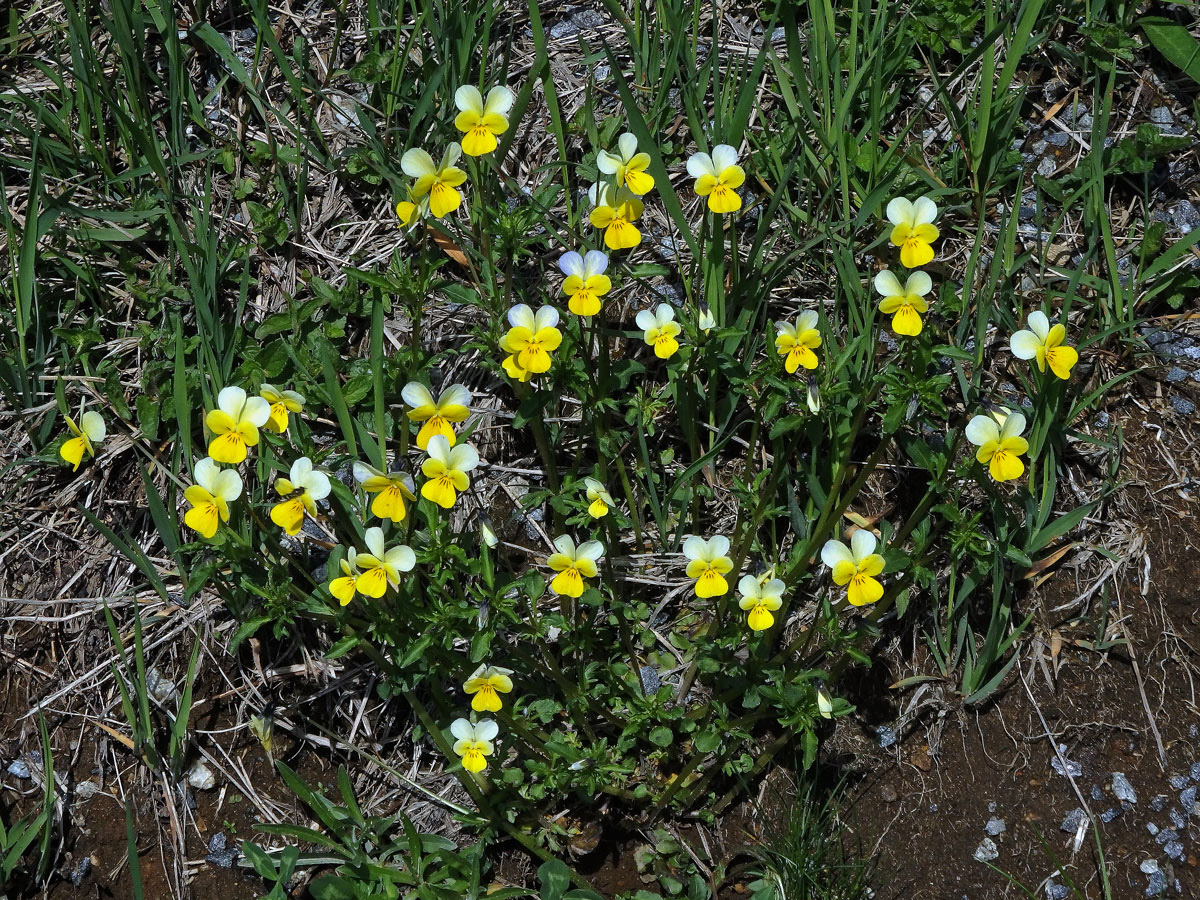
284 403
436 413
210 496
530 341
913 230
446 470
1043 343
708 564
796 342
439 182
586 282
573 564
485 686
614 210
87 434
482 120
381 565
856 567
473 742
300 491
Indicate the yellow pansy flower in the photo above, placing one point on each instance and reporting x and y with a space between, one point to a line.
89 432
1045 344
530 341
856 566
381 565
904 304
210 496
708 564
346 587
601 500
760 599
473 742
487 683
1000 444
586 282
481 120
660 330
282 402
796 343
393 490
301 490
234 424
446 470
411 209
627 166
438 182
615 210
437 414
573 564
718 177
913 230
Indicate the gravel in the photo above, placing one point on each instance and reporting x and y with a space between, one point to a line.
1182 405
1122 789
1158 803
18 768
987 850
1072 820
1173 849
995 827
219 854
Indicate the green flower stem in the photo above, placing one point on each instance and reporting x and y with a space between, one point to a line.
632 501
540 438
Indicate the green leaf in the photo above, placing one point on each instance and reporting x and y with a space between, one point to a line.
555 878
661 736
1174 42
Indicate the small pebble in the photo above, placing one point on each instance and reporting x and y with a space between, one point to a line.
886 736
1058 139
1187 797
1109 814
1179 782
200 776
1158 803
1074 769
995 827
987 850
1152 828
1097 794
1177 820
991 806
1173 849
1070 822
1182 405
888 794
1194 731
1158 884
1057 891
1167 834
80 872
1149 866
219 854
18 768
651 680
1122 789
1175 375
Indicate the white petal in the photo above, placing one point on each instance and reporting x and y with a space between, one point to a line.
463 457
450 157
294 397
982 429
592 550
900 212
416 162
1039 324
362 472
547 317
478 673
439 448
835 552
887 284
918 283
786 328
724 156
700 164
486 730
663 314
565 545
862 544
718 545
595 263
645 320
521 316
1013 425
416 394
256 411
608 163
402 558
499 100
92 424
231 400
806 320
1024 344
455 395
924 211
206 473
599 194
468 99
300 471
227 484
317 485
774 589
373 541
695 547
748 586
571 263
627 144
462 729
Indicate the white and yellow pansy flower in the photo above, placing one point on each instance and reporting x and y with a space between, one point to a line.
586 282
530 341
615 210
234 424
627 166
381 565
88 433
481 120
905 304
1044 343
760 599
913 230
1000 444
856 566
345 587
600 500
437 414
796 342
446 470
718 177
573 564
210 496
660 330
439 182
708 564
393 490
300 491
473 742
487 683
282 403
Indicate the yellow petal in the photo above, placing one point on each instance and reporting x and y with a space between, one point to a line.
288 515
228 448
389 504
202 519
863 590
373 582
711 584
760 619
568 583
435 425
72 451
439 490
343 589
723 199
443 199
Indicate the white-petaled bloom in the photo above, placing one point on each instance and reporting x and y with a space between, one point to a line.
234 424
1000 444
601 500
381 565
437 413
481 120
439 182
718 177
706 322
905 304
660 330
530 341
487 683
586 282
627 166
301 490
210 496
615 210
913 230
393 490
473 742
760 599
1044 344
89 432
446 470
573 564
797 342
282 403
708 564
856 566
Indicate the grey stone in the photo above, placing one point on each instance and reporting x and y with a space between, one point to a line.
576 21
1173 849
1152 828
995 827
1185 216
1182 405
1109 814
1058 139
18 768
160 686
1161 115
80 871
219 854
987 850
1073 769
1047 167
1057 891
1187 797
1072 820
1122 789
1176 375
1158 803
651 680
1194 731
1167 834
1158 884
886 736
1039 147
1149 866
1178 822
1097 794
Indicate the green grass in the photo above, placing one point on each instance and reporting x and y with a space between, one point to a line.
172 233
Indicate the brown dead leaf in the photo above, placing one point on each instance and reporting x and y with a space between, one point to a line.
448 246
1039 567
